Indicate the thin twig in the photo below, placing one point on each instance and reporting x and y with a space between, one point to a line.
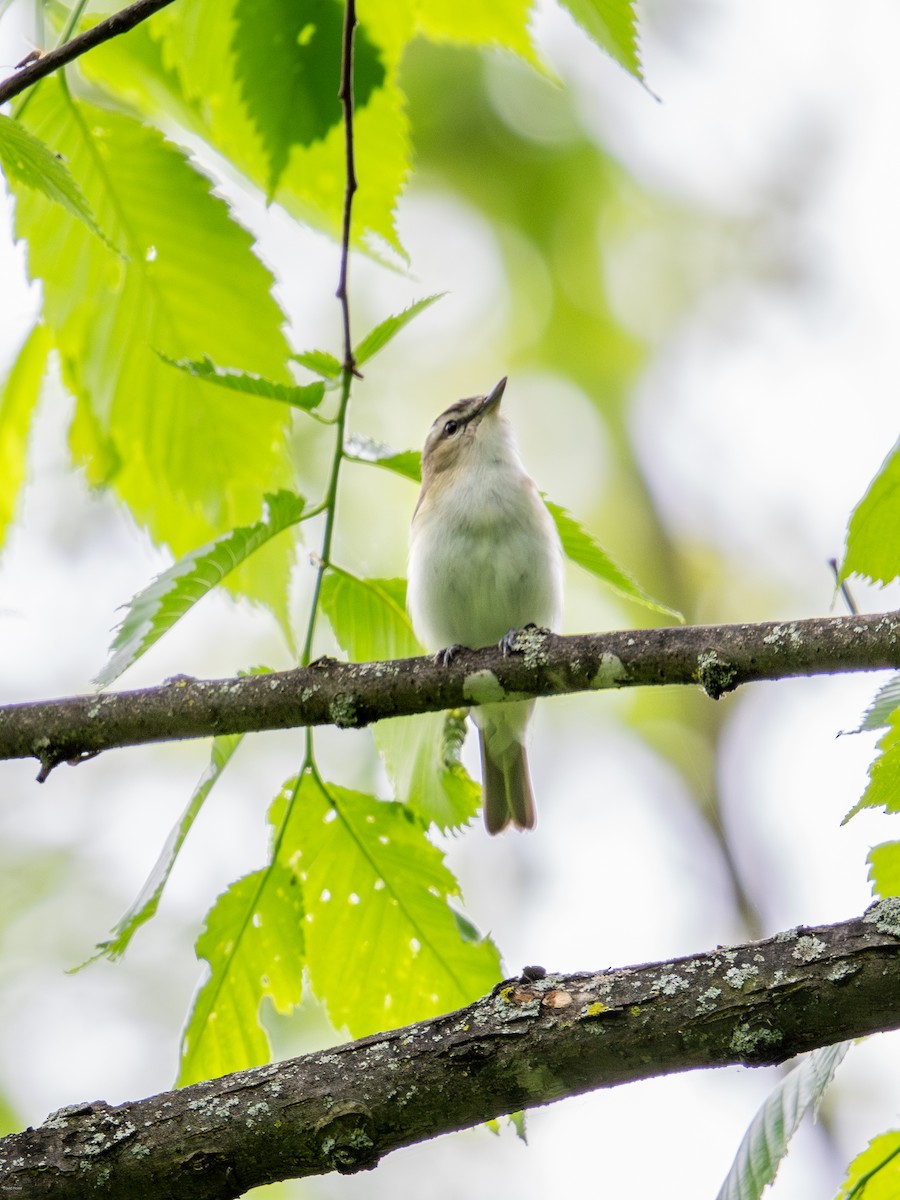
345 95
844 589
104 31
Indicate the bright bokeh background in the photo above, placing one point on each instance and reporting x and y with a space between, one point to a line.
746 248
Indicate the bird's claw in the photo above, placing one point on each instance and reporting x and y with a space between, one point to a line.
445 657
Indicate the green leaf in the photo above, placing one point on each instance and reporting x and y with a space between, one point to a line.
288 65
382 943
503 23
320 362
147 902
28 161
189 461
369 620
613 26
875 1174
362 449
387 329
307 397
156 609
883 789
884 869
765 1143
18 400
581 548
886 699
253 942
873 536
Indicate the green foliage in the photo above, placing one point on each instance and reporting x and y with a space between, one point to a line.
320 362
886 699
884 869
147 902
875 1174
156 609
873 535
27 161
388 329
766 1141
369 620
383 946
18 401
305 398
581 548
883 790
613 26
407 463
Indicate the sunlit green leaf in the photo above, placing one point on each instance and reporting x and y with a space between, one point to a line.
306 397
407 463
27 160
765 1143
883 790
581 548
18 399
147 902
156 609
320 362
253 942
875 1174
383 947
884 869
288 66
613 26
502 23
369 620
188 459
387 329
873 536
885 700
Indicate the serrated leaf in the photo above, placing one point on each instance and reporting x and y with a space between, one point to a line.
369 620
287 64
189 461
362 449
613 26
320 362
147 902
382 943
387 329
306 397
873 535
766 1141
503 23
883 789
253 942
884 869
18 399
27 160
156 609
884 702
875 1174
581 548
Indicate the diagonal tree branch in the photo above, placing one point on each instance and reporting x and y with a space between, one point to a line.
530 1042
103 31
350 695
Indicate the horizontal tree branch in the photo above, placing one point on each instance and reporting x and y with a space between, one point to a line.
45 64
530 1042
350 695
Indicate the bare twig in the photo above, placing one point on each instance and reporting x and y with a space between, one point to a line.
350 695
345 95
103 31
530 1042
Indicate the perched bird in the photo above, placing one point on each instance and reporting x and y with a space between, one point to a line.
484 561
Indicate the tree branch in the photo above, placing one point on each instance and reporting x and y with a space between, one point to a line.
350 695
529 1043
103 31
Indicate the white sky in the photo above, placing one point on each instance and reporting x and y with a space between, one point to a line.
761 421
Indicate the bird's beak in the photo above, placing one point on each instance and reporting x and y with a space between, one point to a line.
493 398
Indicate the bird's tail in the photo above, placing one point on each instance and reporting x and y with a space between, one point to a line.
506 785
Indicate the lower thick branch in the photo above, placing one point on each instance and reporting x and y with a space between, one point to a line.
532 1041
717 657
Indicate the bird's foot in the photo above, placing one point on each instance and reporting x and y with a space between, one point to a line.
445 657
508 642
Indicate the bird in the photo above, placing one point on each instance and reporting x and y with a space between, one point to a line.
484 561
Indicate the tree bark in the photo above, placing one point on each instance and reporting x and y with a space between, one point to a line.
532 1041
718 658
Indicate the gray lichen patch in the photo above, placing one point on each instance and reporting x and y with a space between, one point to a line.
532 645
715 675
752 1043
808 949
342 711
885 916
739 977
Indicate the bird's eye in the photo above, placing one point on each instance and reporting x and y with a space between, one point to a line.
450 428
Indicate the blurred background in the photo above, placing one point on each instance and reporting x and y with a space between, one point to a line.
693 292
